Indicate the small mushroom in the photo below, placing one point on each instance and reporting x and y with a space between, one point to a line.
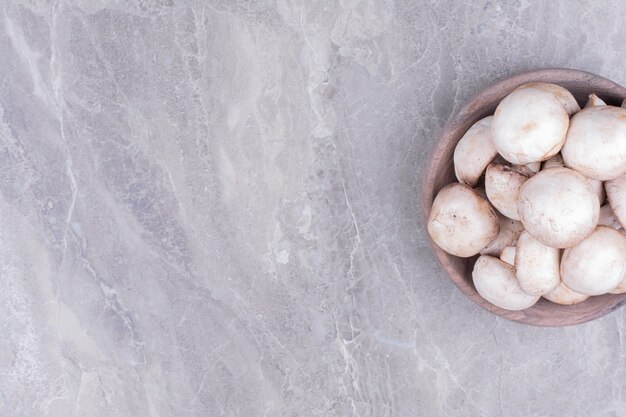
558 207
596 265
562 94
474 152
554 162
461 222
616 192
537 265
509 232
565 296
529 125
594 101
502 185
508 255
607 217
495 282
596 142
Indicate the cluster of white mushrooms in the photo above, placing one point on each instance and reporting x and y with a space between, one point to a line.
531 199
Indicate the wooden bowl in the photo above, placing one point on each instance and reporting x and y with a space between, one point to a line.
440 172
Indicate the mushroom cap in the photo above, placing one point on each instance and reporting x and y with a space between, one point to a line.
608 218
529 125
616 193
537 265
561 93
596 142
495 282
508 255
594 101
503 184
596 265
509 232
554 162
474 152
558 207
565 296
461 222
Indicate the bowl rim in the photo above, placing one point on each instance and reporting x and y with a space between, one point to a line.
471 112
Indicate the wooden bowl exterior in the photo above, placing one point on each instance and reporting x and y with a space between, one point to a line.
440 172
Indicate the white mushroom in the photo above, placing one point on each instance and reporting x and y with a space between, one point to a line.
596 142
461 222
607 217
495 282
596 265
554 162
502 185
594 101
509 232
537 265
616 192
558 207
562 94
529 125
508 255
565 296
474 152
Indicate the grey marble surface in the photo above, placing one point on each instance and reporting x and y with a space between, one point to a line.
211 209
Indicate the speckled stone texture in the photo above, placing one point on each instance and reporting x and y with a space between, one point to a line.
211 209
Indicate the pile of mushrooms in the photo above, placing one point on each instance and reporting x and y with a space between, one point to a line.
541 198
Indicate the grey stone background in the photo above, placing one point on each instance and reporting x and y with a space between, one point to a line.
211 209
